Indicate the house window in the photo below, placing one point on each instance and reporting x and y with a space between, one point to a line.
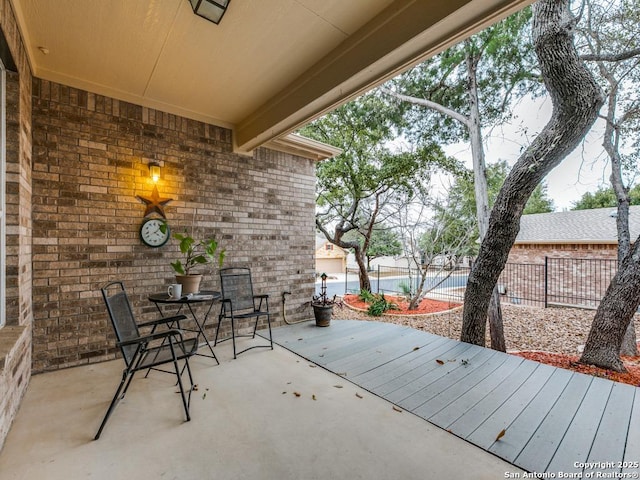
329 246
3 180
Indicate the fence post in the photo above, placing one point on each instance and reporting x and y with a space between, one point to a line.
546 281
378 287
346 279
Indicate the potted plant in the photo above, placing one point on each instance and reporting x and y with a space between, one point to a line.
194 253
323 305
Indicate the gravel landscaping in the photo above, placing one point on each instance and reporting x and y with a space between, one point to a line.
558 330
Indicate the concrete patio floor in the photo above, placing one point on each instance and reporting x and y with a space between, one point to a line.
247 422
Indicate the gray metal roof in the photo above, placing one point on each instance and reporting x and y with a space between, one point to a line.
576 226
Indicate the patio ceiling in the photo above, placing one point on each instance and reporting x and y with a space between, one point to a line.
266 69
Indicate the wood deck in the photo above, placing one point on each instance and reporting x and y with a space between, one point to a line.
554 420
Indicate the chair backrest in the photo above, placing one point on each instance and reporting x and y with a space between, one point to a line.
121 315
236 286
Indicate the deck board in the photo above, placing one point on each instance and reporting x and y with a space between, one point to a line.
544 443
632 455
577 442
552 417
452 412
532 417
610 439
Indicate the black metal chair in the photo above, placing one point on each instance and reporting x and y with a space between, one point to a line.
144 352
238 303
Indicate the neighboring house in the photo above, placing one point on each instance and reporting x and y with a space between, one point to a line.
572 234
330 258
565 258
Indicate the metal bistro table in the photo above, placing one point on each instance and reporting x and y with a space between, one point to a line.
204 296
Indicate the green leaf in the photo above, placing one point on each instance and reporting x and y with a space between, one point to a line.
177 266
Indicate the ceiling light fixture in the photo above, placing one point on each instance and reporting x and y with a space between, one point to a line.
210 9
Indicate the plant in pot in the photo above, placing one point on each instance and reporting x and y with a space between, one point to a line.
194 253
323 305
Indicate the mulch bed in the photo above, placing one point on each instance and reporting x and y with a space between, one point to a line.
426 305
570 362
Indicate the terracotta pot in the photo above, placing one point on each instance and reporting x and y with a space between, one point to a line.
190 283
323 314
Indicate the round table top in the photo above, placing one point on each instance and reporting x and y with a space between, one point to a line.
202 296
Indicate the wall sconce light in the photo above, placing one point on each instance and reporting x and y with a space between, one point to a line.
154 171
210 9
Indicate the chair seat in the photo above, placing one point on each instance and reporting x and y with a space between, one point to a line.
162 354
238 303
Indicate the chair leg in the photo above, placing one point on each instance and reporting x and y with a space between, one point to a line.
116 397
269 325
233 336
178 374
215 340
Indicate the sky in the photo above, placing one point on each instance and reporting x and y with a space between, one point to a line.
585 170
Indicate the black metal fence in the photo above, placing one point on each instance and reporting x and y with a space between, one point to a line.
556 282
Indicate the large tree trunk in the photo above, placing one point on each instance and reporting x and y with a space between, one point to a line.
482 192
363 274
611 145
615 311
576 101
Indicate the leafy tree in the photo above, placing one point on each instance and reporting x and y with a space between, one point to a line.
605 197
576 99
462 195
539 201
383 242
610 37
358 189
463 89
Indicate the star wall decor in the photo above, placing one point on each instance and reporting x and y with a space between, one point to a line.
154 203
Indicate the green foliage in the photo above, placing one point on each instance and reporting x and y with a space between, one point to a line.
366 296
368 180
539 201
196 253
505 67
382 242
605 197
459 212
380 305
405 288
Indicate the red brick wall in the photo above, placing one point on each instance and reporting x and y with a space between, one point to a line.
576 274
90 161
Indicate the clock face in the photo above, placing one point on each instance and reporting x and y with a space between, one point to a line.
152 234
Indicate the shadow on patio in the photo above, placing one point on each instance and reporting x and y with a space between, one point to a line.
247 422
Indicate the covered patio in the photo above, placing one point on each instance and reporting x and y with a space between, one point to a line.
247 422
96 93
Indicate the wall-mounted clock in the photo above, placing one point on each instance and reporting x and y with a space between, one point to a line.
154 232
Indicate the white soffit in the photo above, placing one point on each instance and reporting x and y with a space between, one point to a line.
266 69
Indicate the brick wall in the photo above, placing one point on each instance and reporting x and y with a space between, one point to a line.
15 337
577 274
91 156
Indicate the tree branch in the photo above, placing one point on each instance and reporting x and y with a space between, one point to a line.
611 57
428 104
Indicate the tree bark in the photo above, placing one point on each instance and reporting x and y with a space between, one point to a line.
611 145
616 309
363 274
576 101
496 327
